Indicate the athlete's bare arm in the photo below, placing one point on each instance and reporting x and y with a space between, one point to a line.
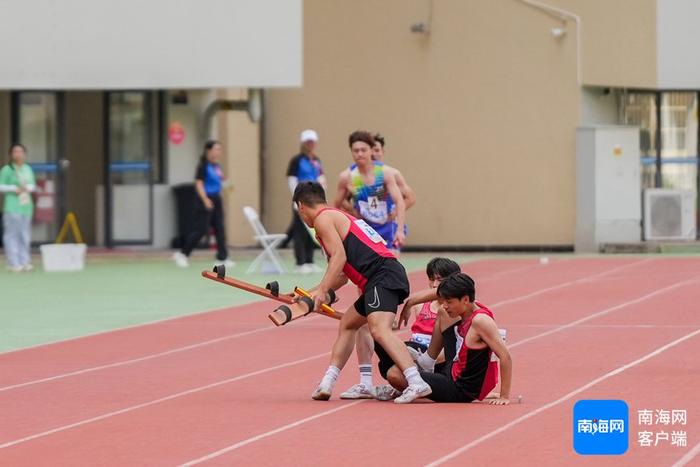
487 331
342 190
395 193
331 227
348 207
436 342
409 196
422 296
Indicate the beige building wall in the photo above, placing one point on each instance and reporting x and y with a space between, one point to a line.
241 140
619 39
479 115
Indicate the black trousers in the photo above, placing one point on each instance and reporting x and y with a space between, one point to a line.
303 243
203 220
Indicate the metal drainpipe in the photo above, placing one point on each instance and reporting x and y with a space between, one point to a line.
255 116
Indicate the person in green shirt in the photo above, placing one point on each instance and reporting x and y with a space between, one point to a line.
17 183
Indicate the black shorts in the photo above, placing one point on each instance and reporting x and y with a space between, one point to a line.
443 386
385 290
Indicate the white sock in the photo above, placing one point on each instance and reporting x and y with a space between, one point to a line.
426 362
412 376
366 375
330 377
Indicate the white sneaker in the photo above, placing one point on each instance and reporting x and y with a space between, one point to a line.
314 268
358 391
28 267
322 393
385 392
413 392
227 263
14 268
303 269
181 260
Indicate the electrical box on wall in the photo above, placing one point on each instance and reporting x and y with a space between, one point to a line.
608 192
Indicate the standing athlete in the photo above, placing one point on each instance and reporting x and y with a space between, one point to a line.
409 196
356 252
365 183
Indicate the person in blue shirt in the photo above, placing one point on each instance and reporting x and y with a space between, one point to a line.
304 167
209 180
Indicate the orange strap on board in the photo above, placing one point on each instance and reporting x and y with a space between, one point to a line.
286 313
325 309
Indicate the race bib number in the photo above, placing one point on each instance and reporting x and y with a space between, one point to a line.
374 210
369 231
422 339
24 198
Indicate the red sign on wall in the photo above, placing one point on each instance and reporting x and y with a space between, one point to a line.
176 133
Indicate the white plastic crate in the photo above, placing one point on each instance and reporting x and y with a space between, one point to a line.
63 256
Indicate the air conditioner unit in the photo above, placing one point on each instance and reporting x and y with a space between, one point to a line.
669 214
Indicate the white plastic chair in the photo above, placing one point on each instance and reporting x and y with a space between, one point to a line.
269 243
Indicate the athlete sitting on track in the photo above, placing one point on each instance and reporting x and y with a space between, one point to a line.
422 329
356 252
469 338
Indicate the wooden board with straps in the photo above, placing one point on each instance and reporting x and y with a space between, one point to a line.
295 305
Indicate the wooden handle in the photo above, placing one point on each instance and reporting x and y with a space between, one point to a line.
252 288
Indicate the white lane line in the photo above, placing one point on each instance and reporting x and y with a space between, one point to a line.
568 283
127 328
606 311
145 357
158 401
689 456
201 388
564 398
136 360
253 439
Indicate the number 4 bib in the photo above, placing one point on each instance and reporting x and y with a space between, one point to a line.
374 210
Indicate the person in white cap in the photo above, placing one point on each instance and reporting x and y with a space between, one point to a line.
304 167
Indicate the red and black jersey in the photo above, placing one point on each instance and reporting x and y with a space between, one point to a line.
472 369
365 250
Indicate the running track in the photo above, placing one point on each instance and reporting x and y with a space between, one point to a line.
227 388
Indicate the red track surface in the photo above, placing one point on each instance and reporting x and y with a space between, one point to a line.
228 388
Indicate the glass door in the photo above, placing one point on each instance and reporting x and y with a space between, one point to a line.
668 122
679 138
640 109
37 123
129 168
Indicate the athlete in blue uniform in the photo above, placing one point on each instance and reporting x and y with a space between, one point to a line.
366 183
